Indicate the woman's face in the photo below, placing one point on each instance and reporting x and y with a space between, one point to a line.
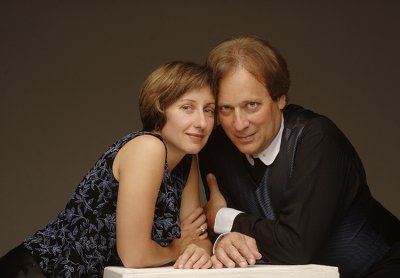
190 121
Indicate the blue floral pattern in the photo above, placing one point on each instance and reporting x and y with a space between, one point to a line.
81 241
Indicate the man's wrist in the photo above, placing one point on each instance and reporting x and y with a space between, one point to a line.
217 241
224 220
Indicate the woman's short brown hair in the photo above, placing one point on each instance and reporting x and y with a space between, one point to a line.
164 86
255 55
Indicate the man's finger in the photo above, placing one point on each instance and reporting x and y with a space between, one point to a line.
212 184
234 253
246 253
223 257
252 244
215 262
215 202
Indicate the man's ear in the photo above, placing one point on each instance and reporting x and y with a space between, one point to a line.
282 101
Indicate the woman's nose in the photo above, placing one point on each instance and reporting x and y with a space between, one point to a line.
201 121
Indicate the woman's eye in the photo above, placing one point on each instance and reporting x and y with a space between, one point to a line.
209 111
187 107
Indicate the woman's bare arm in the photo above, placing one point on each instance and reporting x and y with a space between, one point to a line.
197 254
139 168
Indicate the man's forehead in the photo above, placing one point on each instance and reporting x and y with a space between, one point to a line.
240 100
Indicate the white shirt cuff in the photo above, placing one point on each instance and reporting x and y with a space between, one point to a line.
224 220
217 241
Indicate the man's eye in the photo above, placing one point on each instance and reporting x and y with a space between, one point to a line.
209 111
252 105
225 108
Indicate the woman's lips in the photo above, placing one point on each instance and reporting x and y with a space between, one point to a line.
196 136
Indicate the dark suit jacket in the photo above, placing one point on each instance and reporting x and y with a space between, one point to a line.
320 197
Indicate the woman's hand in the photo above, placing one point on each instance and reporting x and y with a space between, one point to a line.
194 226
193 229
194 246
194 257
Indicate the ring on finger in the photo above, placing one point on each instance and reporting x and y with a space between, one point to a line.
202 229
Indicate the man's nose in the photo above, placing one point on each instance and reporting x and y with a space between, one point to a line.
240 120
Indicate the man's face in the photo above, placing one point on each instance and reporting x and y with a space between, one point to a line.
246 111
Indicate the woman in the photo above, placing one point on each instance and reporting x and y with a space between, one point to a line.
127 209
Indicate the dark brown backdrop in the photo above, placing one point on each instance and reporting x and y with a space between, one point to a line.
70 73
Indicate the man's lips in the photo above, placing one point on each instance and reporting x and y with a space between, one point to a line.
245 138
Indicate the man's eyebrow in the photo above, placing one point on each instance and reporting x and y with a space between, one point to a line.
244 102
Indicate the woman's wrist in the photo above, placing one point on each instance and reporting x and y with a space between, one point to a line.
205 244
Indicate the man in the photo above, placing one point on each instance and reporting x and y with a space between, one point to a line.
294 190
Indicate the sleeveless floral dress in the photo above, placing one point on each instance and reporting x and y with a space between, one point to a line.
81 241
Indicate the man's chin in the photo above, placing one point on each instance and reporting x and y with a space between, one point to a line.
246 149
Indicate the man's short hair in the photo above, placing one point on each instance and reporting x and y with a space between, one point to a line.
255 55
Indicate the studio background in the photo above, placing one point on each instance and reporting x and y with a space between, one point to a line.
70 73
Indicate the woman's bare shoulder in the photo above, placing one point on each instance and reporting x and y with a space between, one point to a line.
145 143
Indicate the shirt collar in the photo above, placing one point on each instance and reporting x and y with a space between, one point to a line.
271 152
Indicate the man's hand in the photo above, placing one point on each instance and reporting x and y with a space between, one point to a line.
235 249
216 201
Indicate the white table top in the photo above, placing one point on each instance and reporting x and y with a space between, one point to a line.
255 271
